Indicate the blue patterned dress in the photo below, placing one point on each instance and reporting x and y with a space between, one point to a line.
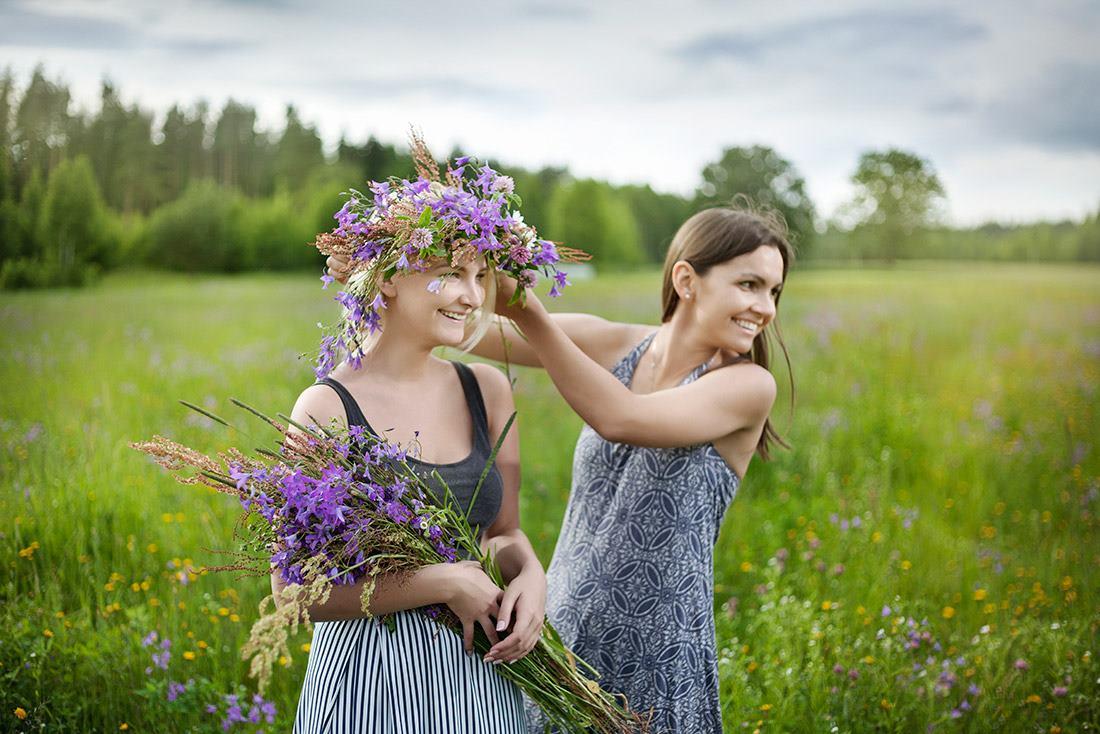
631 583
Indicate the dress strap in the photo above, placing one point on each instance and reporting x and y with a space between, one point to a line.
352 410
474 402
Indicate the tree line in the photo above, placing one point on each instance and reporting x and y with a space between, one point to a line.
208 190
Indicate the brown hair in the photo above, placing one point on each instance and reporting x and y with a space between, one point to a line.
715 236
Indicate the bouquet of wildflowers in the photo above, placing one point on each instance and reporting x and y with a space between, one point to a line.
469 212
331 506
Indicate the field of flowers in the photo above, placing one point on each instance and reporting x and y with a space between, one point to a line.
924 556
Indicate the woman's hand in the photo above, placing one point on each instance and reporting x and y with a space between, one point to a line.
506 289
525 600
474 598
338 267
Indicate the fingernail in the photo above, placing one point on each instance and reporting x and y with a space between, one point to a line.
497 662
502 625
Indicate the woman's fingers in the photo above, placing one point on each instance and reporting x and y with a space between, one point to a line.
504 618
490 632
525 635
338 267
468 635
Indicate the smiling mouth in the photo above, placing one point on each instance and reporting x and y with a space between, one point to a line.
750 326
453 315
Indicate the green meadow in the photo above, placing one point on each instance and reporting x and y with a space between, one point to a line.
924 555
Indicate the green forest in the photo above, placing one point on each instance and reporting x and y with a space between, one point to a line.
201 189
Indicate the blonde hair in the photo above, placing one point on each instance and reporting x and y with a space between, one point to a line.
478 322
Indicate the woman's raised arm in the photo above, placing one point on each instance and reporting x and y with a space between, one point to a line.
714 406
605 342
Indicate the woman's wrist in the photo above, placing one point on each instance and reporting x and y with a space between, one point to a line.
441 577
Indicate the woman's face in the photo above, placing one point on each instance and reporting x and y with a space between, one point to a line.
735 300
436 303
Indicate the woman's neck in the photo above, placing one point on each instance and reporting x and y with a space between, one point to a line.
396 358
678 348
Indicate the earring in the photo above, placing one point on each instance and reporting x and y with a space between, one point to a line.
687 294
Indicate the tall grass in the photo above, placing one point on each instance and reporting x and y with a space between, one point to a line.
943 481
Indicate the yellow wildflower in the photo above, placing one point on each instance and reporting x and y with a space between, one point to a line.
948 612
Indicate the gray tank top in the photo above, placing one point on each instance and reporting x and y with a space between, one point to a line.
461 476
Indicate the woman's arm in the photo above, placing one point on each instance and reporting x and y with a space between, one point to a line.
463 587
716 405
605 342
525 594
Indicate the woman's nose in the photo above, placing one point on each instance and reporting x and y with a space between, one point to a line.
766 306
473 294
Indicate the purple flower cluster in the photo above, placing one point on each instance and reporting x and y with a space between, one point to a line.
328 513
258 710
161 651
402 225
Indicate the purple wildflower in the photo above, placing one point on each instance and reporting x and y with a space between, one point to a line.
1020 664
1060 691
421 238
560 281
174 690
520 254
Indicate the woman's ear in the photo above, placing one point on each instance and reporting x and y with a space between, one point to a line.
387 289
683 279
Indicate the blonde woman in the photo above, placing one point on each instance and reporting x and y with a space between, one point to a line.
421 677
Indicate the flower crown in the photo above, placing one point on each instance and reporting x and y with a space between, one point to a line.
403 226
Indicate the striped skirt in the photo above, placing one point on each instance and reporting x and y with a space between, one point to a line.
362 678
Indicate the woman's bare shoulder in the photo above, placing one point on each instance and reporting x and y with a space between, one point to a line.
603 340
317 404
493 383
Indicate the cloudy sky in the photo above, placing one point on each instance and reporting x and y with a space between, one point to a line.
1002 97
